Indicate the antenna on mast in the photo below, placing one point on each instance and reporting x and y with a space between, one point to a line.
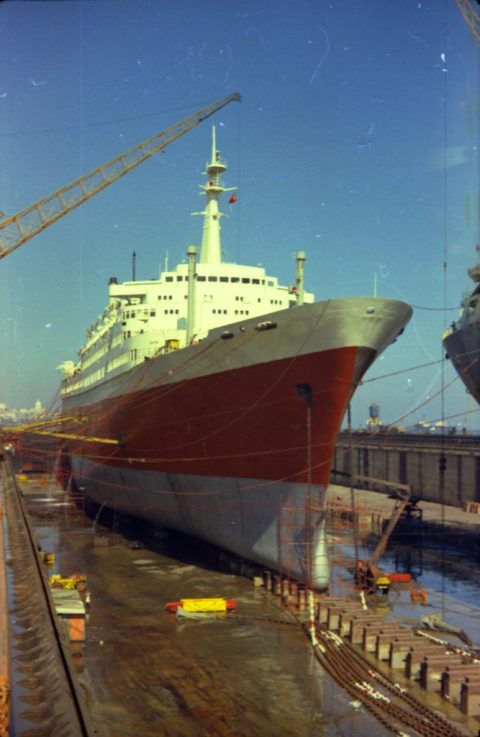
211 249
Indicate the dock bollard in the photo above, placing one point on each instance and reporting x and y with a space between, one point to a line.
301 597
267 576
277 585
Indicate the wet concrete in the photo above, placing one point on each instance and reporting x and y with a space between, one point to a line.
247 674
243 674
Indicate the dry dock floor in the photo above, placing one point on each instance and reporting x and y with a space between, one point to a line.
431 512
247 674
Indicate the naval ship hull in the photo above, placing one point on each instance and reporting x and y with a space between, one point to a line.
462 347
231 440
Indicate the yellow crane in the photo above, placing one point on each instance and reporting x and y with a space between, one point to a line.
471 16
18 229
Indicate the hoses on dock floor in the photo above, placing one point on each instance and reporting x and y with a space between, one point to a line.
394 707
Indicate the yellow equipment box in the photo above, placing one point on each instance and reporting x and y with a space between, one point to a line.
204 605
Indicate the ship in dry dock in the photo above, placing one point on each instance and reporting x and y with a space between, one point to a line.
225 391
462 339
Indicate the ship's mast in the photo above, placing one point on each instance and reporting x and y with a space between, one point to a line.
211 251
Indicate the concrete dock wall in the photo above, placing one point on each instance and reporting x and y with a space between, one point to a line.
412 461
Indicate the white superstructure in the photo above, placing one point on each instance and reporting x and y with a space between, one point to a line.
144 319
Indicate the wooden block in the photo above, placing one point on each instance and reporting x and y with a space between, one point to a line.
399 648
470 696
432 667
370 632
348 617
384 640
358 625
453 677
415 658
334 613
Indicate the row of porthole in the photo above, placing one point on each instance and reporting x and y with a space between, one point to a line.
170 296
217 312
138 313
235 312
225 280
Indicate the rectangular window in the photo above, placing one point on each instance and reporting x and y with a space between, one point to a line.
212 278
179 278
169 278
201 278
234 279
245 281
224 279
255 281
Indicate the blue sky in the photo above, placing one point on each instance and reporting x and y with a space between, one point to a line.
356 140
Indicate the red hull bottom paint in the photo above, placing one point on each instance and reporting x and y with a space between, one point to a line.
240 458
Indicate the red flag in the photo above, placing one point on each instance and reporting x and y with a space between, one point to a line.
232 199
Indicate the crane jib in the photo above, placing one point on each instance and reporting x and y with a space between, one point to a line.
24 225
